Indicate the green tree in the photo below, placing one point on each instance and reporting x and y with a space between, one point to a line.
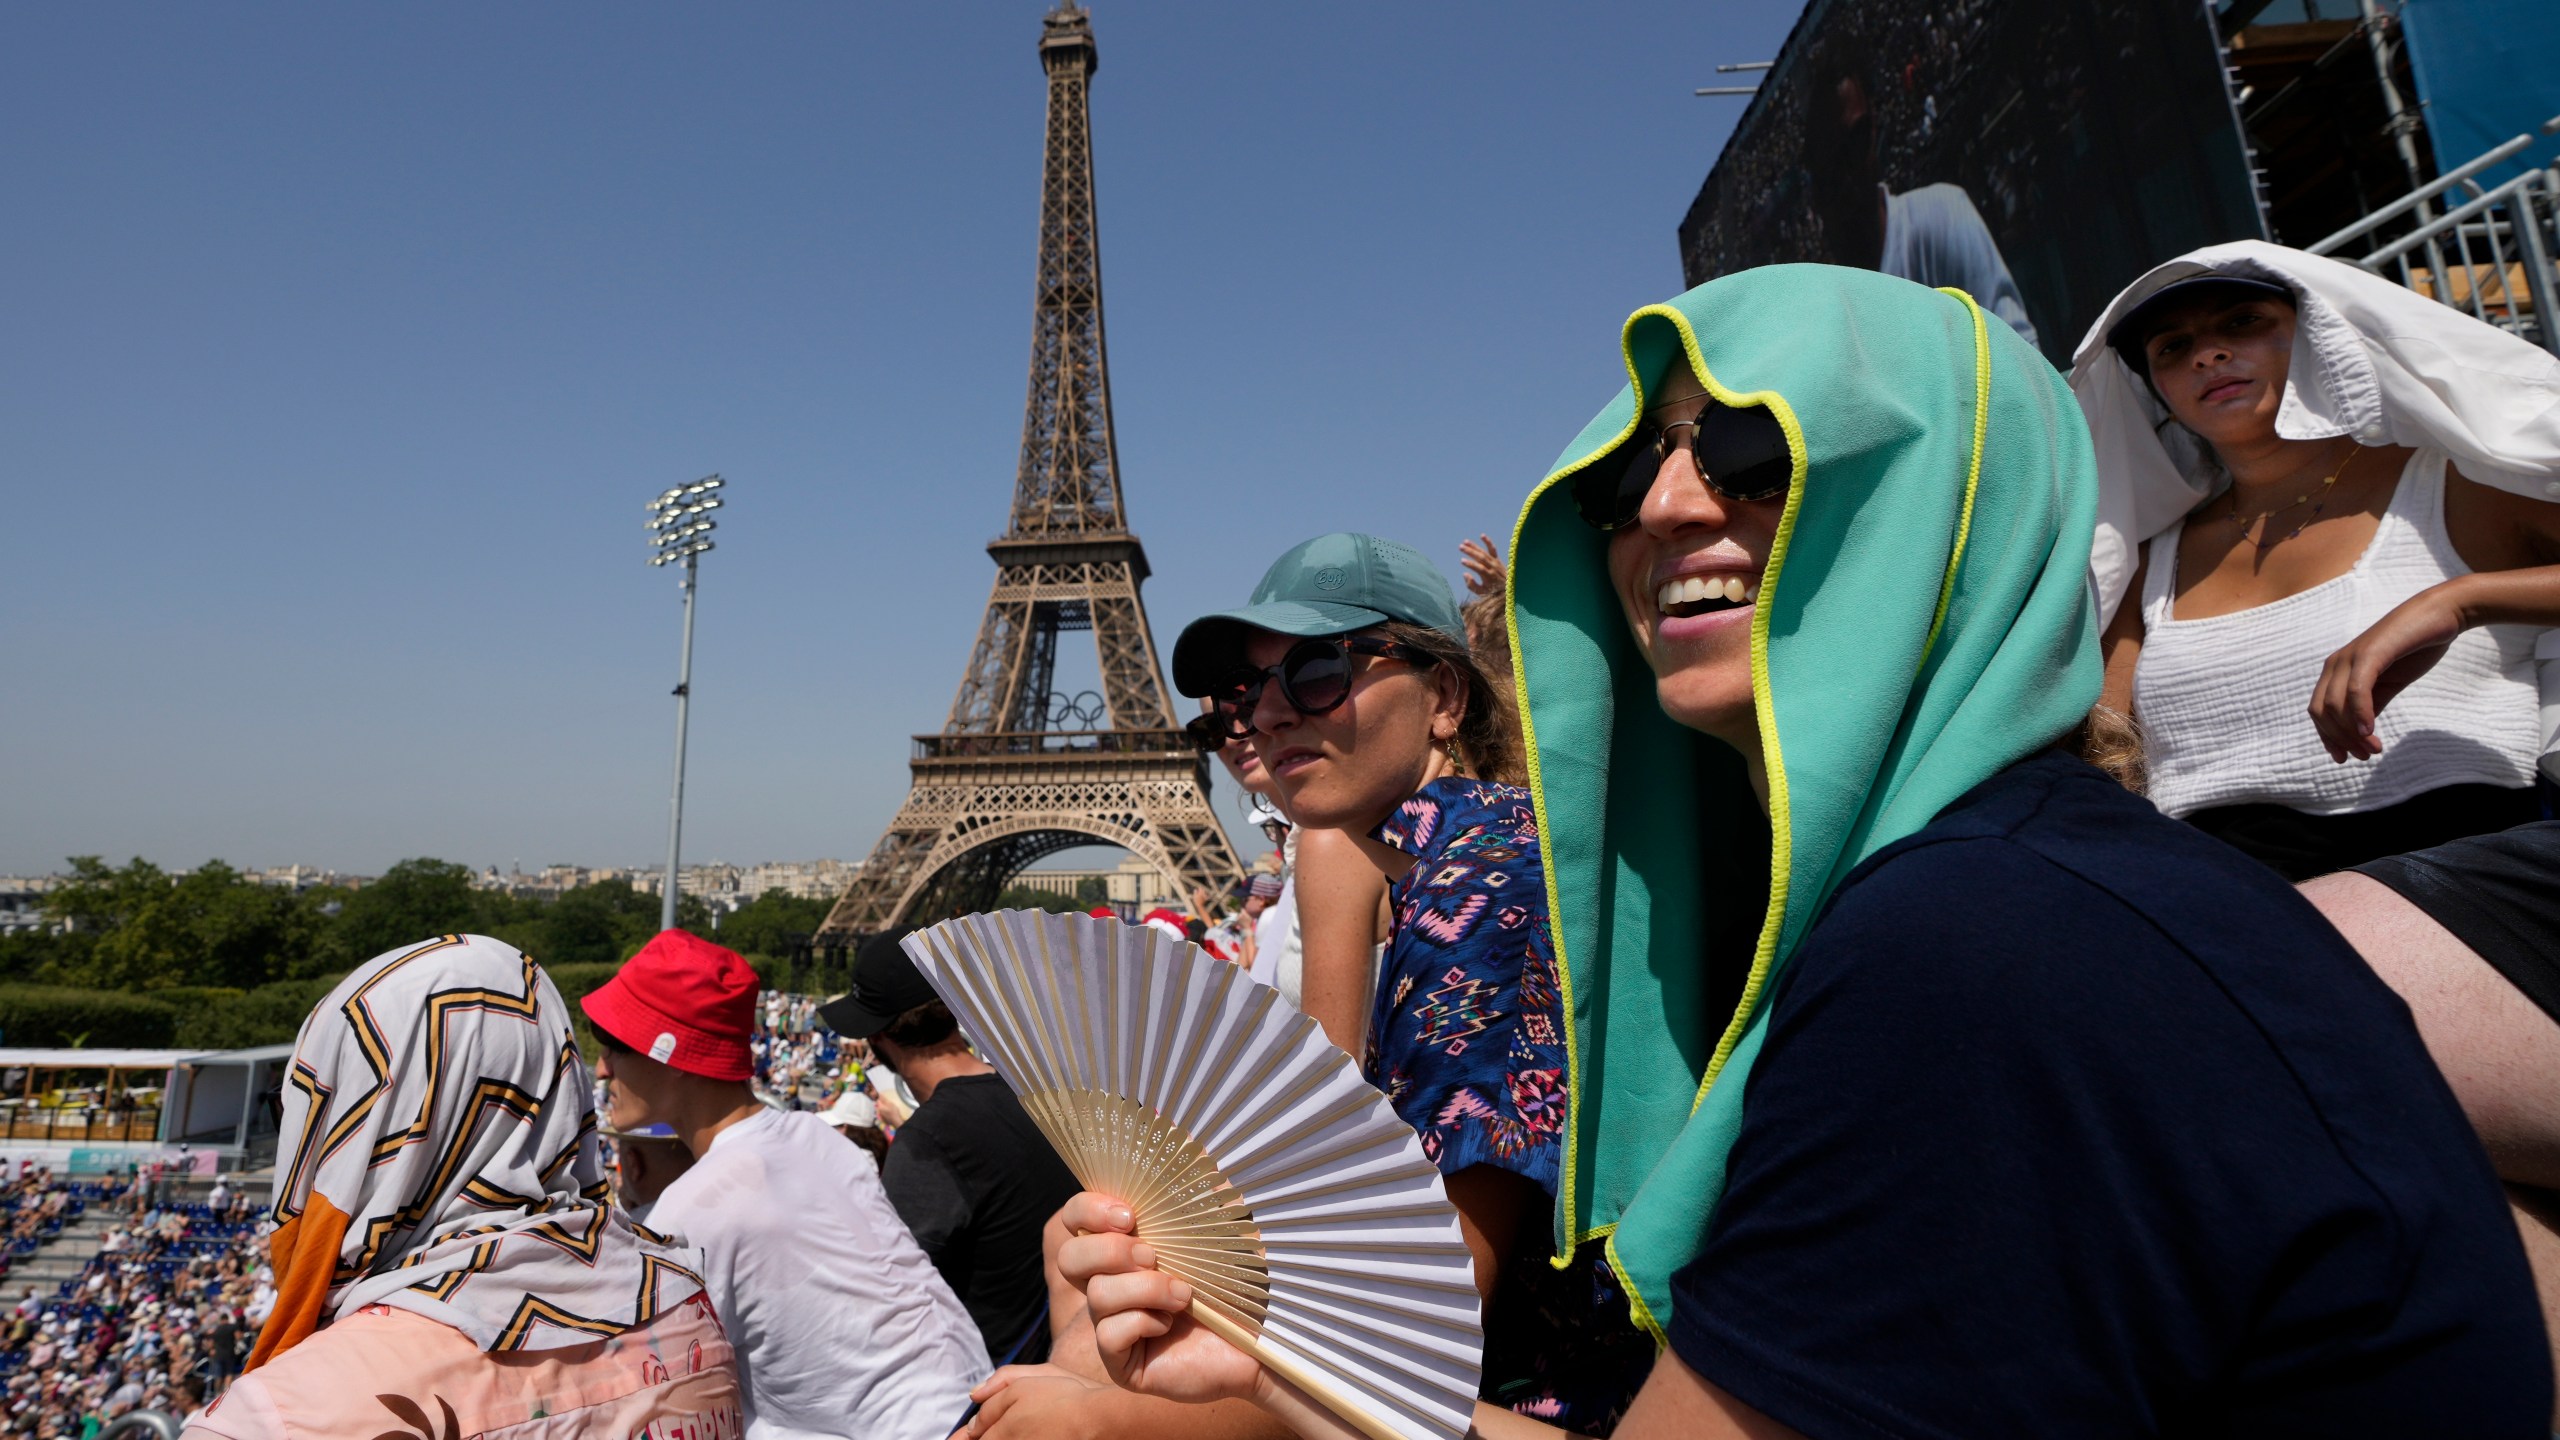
1023 897
772 925
30 955
413 901
152 930
598 924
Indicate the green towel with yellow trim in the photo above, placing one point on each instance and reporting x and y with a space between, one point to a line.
1924 622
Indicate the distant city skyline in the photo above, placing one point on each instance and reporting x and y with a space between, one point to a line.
346 345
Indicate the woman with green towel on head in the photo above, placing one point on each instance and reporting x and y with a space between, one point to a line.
1923 1080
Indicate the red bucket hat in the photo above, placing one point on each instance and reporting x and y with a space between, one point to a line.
682 1001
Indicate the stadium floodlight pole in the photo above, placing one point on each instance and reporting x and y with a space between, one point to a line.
680 527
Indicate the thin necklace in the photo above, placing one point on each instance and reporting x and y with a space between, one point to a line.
2319 493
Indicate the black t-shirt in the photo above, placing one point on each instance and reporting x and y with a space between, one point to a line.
2074 1121
976 1180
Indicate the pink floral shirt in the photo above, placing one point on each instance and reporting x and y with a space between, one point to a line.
385 1374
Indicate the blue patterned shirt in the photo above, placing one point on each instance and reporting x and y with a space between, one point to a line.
1466 1037
1466 1033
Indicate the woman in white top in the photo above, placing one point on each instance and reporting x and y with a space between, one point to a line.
2332 657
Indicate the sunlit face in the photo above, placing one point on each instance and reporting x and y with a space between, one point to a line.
1349 768
637 1088
1687 574
1243 762
2220 367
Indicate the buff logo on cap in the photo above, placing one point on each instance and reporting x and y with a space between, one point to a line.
663 1049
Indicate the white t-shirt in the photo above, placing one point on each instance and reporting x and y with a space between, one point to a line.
842 1326
1276 961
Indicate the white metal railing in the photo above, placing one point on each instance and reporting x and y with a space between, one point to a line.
2490 255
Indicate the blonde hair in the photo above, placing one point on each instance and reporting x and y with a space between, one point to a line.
2109 739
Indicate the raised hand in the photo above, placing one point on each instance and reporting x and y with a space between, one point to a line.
1141 1326
1484 566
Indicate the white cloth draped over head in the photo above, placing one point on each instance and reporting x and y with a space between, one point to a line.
2371 359
440 1156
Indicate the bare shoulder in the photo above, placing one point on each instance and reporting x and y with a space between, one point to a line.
2497 529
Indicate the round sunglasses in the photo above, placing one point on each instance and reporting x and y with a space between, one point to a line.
1741 452
1315 678
1208 733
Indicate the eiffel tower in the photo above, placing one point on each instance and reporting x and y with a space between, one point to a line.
1018 772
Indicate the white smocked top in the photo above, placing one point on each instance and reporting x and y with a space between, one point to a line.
2224 701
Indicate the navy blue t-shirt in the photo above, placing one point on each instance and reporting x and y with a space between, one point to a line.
2072 1120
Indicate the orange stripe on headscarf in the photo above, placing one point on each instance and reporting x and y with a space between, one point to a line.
305 1259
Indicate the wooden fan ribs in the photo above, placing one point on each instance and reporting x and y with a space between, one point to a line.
1254 1159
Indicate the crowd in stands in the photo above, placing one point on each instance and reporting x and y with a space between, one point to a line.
1750 898
160 1318
799 1063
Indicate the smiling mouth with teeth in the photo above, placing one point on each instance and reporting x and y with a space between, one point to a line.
1704 594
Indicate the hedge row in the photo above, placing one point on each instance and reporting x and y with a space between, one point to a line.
215 1018
271 1014
575 982
57 1015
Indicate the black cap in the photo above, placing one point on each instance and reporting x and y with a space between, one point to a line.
2129 335
886 985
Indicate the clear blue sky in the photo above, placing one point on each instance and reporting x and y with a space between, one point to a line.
344 343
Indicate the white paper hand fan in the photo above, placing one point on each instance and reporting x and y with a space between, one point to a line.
1254 1158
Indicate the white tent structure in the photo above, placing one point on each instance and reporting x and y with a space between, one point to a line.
228 1101
91 1110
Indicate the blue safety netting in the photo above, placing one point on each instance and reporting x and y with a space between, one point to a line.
2488 70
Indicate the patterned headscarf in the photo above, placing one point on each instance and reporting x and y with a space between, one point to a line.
444 1161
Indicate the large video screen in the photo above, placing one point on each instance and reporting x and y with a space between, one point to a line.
2038 155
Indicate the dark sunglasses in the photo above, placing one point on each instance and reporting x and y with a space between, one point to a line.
1315 678
1209 733
1742 452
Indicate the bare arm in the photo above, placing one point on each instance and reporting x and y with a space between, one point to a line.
1051 1402
2122 644
2512 545
1492 1205
1342 902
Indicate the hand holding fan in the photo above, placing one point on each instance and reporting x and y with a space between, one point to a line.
1255 1160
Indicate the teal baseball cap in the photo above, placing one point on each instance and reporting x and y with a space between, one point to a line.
1326 586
